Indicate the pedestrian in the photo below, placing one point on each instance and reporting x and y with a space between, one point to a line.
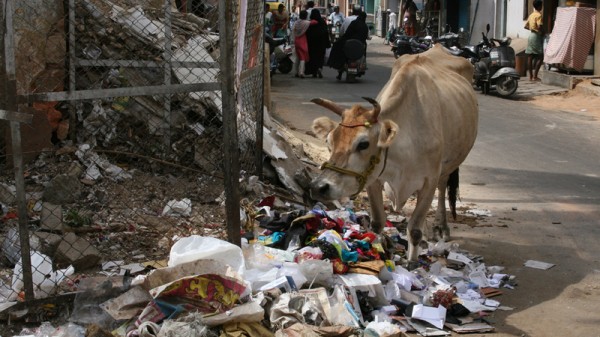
535 42
349 19
309 7
300 43
281 18
336 17
410 17
357 30
268 18
293 16
317 38
391 26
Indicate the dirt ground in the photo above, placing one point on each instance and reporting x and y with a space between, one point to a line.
576 101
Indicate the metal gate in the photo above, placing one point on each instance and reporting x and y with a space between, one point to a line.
134 121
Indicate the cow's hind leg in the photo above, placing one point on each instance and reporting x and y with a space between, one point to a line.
417 220
440 225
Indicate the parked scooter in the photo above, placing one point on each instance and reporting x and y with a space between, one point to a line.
494 62
356 62
281 54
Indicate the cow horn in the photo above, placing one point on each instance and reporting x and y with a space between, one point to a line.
329 105
376 107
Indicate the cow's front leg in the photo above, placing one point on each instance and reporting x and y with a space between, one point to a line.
417 220
378 217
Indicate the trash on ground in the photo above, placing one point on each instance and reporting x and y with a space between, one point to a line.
538 264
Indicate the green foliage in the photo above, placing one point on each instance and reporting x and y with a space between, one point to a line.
75 219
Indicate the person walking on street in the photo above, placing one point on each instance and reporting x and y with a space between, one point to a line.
410 17
392 24
348 20
268 18
535 42
309 7
317 37
300 43
281 19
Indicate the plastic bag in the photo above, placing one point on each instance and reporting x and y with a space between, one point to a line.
181 207
309 253
197 247
317 271
341 309
44 278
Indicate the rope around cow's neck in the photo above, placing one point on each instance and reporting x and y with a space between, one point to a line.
361 177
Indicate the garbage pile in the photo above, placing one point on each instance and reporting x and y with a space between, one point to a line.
319 272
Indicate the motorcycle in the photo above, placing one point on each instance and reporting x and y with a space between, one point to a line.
356 62
334 32
449 39
494 65
281 54
403 44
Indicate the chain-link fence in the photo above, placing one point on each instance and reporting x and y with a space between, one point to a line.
126 149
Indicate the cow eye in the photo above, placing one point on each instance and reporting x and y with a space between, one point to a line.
362 146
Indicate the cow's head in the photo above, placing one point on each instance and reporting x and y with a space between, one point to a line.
358 149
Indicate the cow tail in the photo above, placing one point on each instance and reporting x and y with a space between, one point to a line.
453 191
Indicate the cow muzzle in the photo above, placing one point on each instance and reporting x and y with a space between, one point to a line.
320 189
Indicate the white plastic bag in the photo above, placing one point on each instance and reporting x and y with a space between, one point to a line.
44 278
317 271
197 247
181 207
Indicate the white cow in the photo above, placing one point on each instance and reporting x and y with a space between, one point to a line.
420 129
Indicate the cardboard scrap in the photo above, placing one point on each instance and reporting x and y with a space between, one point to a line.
491 292
538 264
470 327
431 315
425 329
458 257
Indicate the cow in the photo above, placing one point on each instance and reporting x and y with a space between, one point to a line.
421 127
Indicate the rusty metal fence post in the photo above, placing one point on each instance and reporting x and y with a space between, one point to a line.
15 130
230 145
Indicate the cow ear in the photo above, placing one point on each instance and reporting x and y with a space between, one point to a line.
322 126
387 132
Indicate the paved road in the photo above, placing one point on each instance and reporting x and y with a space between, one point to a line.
537 171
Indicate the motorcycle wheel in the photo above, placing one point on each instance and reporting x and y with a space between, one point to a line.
285 66
350 78
506 85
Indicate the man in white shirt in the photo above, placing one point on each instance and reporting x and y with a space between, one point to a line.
336 16
309 7
392 24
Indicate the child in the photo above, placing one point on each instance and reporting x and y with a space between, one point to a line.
300 43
